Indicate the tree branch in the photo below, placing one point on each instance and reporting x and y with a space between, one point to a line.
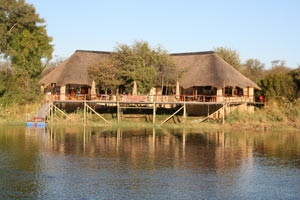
12 27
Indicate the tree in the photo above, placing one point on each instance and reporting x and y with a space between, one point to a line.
165 69
138 62
278 66
280 86
231 56
5 72
105 74
296 78
253 69
24 42
135 63
23 37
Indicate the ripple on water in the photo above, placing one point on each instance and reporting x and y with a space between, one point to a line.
136 164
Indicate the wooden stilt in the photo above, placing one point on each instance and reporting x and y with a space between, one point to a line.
91 109
223 115
62 112
171 116
154 113
215 114
184 113
118 112
51 112
84 113
208 112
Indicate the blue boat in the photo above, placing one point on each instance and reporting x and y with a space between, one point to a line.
37 122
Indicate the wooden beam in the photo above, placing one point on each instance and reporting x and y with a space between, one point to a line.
135 108
154 113
171 115
118 112
97 114
202 120
51 112
208 112
84 112
62 112
224 114
184 112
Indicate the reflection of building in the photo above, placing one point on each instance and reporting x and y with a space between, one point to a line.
67 162
206 77
148 148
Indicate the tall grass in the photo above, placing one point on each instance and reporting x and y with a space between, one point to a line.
273 114
16 112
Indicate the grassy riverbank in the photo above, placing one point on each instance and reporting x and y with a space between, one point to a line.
16 114
274 116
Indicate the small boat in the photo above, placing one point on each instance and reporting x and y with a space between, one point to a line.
37 122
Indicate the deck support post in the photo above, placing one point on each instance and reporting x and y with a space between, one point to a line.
51 112
118 112
223 115
57 109
84 113
184 112
90 109
154 113
208 112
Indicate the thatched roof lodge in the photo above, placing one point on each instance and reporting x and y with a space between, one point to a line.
208 69
204 73
74 70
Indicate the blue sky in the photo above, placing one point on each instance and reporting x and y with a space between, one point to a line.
262 29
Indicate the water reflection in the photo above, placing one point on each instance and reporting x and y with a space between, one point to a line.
85 162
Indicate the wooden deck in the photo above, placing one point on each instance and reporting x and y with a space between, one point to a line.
123 102
150 99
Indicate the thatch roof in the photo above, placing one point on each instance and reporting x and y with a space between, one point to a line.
200 69
74 70
208 69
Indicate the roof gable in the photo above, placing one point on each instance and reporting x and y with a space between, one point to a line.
74 70
208 69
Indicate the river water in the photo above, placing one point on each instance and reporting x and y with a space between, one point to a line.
99 163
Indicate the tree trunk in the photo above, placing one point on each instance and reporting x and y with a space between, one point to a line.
162 85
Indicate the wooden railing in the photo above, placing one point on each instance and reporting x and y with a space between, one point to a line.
150 98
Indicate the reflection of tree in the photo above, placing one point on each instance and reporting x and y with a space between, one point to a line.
134 156
20 163
213 150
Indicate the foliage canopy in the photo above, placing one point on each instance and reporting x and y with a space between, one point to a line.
279 86
231 56
253 69
23 37
24 42
138 62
